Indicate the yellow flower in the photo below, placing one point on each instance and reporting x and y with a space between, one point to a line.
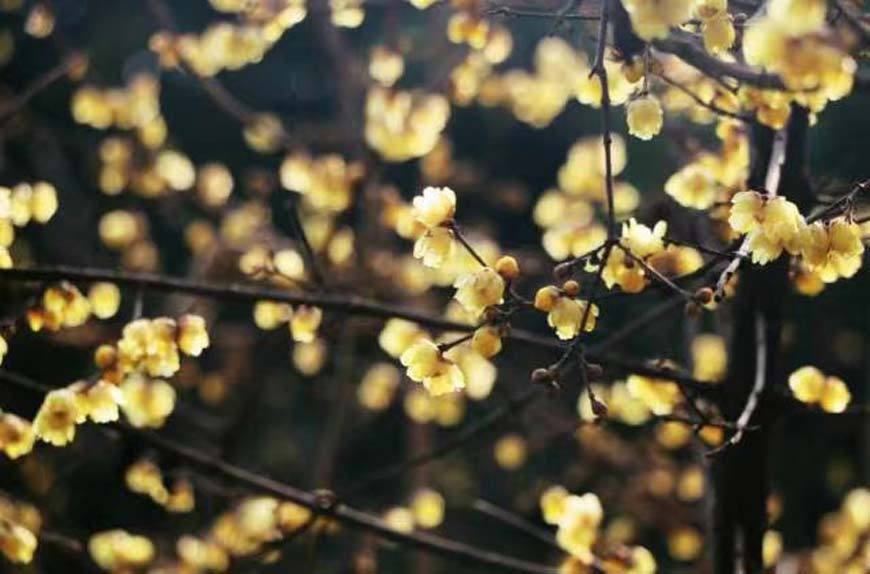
55 422
147 403
105 298
510 451
426 364
834 250
798 16
118 550
641 240
771 224
709 357
378 386
693 186
718 34
192 336
200 554
149 346
659 395
644 116
653 19
435 206
567 314
16 435
642 561
305 322
480 289
385 65
100 401
771 548
428 508
553 503
578 525
400 519
399 334
17 543
144 477
486 341
435 247
809 385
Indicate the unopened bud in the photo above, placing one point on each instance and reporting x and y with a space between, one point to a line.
507 267
571 288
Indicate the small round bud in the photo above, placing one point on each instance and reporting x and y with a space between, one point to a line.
594 371
571 288
507 267
105 356
486 341
598 406
704 295
541 376
546 297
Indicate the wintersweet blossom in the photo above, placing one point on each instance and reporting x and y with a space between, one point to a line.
55 422
435 206
480 289
772 224
426 364
809 385
834 249
578 525
644 117
435 247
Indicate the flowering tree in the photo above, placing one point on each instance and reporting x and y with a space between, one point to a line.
434 300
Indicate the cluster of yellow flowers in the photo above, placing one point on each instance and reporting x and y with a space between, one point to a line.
809 385
653 19
222 46
22 204
462 366
660 396
793 41
844 537
560 73
20 524
152 174
133 107
128 233
274 17
717 29
830 249
303 322
578 520
434 209
567 214
119 551
622 406
643 243
63 409
63 306
703 181
402 125
326 183
565 312
244 529
425 510
144 477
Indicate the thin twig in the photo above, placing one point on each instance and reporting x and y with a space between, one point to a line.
757 388
701 102
514 521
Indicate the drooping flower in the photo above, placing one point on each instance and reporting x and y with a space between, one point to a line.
478 290
578 525
55 423
644 117
833 250
435 246
426 364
